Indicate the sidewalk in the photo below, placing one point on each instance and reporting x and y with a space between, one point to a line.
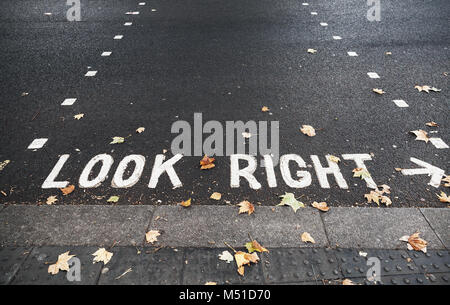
191 239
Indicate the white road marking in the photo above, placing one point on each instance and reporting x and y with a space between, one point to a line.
401 103
132 13
68 102
141 3
373 75
118 180
324 24
106 53
305 177
37 143
270 171
50 180
427 169
322 173
106 161
337 37
247 172
350 53
153 10
359 161
438 143
159 168
313 13
90 73
305 4
128 23
118 37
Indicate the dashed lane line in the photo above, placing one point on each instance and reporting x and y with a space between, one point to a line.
37 143
68 102
106 53
438 143
401 103
351 53
373 75
90 73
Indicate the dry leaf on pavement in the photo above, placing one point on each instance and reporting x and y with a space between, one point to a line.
265 109
51 200
322 206
152 236
308 130
61 264
334 159
312 51
255 246
415 242
117 140
426 88
289 199
140 130
361 172
78 116
68 189
216 196
306 237
446 180
207 162
113 199
101 255
432 124
421 135
444 198
210 283
379 91
3 164
246 207
186 203
226 256
347 282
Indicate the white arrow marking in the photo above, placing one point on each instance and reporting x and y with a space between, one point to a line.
435 172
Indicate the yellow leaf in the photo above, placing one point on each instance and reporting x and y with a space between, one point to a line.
61 264
443 197
265 109
347 282
246 207
78 116
101 255
216 196
334 159
306 237
322 206
379 91
152 236
210 283
255 246
186 203
373 196
117 140
3 164
308 130
447 180
113 199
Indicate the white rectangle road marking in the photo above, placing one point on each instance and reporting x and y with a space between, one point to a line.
37 143
438 143
337 37
68 102
373 75
305 4
132 13
106 53
352 53
118 37
313 13
324 24
141 3
128 23
401 103
90 73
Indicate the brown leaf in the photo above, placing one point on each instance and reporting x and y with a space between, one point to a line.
186 203
444 198
421 135
61 264
322 206
379 91
417 243
216 196
432 124
308 130
265 109
306 237
67 190
51 200
207 162
347 282
152 236
246 206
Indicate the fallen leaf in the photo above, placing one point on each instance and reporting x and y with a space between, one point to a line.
373 196
444 198
210 283
415 242
207 162
379 91
78 116
151 236
306 237
347 282
421 135
386 200
322 206
265 109
241 260
384 189
312 51
186 203
51 200
113 199
246 207
308 130
398 169
388 53
255 246
361 172
426 88
61 264
3 164
140 130
289 199
216 196
432 124
334 159
67 190
101 255
447 180
226 256
117 140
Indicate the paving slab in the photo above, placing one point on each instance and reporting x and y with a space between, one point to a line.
131 265
439 220
377 227
23 225
11 258
211 226
34 270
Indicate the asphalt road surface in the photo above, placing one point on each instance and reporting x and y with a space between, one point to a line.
225 60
